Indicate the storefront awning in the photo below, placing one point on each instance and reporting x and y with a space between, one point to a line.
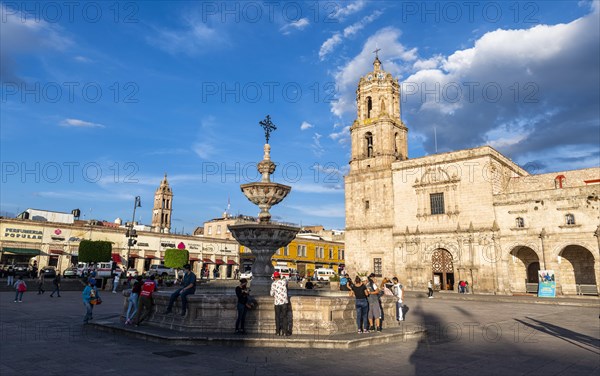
207 261
117 258
151 257
219 262
231 262
194 259
22 251
58 252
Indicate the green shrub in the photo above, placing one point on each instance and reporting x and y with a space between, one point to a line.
95 251
176 258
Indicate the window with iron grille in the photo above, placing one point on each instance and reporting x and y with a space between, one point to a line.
377 270
330 253
520 222
437 203
570 219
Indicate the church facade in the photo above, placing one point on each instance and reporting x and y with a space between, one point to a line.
471 215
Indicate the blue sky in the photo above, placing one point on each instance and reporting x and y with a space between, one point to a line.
100 99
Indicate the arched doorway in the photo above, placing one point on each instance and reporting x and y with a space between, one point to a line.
524 269
576 267
442 268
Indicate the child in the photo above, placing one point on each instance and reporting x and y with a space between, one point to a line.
21 287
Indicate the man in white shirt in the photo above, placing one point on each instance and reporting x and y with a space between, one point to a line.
280 293
398 291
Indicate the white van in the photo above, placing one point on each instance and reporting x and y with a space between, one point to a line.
323 274
284 271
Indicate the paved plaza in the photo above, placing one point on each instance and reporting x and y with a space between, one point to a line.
467 335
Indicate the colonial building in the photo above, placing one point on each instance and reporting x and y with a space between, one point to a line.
469 215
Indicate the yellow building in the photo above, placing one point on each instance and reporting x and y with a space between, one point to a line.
305 253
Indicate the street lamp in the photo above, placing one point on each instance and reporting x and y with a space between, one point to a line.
131 233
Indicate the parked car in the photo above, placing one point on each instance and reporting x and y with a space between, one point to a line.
24 270
70 272
247 274
49 271
161 270
132 273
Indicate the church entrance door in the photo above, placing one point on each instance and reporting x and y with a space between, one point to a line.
442 268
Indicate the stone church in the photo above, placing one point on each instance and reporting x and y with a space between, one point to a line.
470 215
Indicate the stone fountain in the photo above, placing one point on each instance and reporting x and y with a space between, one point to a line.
265 237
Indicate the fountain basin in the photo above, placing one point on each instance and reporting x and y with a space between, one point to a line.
265 193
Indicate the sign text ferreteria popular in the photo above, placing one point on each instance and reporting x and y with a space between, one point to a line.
21 234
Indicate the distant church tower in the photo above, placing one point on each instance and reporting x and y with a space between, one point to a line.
161 213
378 138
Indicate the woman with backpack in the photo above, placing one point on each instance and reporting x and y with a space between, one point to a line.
21 287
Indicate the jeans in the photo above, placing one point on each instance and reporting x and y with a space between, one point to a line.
399 313
281 319
89 309
362 309
144 309
10 280
241 317
430 294
56 290
19 296
133 303
184 294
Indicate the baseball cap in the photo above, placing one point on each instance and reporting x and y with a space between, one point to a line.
276 275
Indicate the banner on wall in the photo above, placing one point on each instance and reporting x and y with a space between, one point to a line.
547 284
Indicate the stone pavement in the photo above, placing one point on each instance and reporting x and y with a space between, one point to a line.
467 335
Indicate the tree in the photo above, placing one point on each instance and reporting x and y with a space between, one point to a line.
95 251
176 258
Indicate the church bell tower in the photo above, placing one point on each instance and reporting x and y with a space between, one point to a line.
161 213
379 138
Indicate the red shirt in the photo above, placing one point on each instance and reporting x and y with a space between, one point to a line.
148 288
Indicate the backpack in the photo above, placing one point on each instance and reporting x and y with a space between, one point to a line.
21 286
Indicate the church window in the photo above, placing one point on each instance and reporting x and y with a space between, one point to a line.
218 229
369 107
377 268
570 219
367 205
209 230
369 138
520 222
437 203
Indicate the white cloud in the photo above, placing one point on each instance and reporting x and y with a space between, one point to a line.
318 188
316 146
342 137
193 38
305 125
22 34
79 123
82 59
336 39
351 8
328 46
300 24
204 147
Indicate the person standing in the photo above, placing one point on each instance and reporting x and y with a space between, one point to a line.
189 287
146 300
374 304
134 299
115 283
430 289
360 293
241 292
10 276
20 287
398 291
89 294
56 283
280 293
344 283
40 282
